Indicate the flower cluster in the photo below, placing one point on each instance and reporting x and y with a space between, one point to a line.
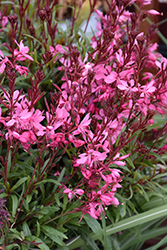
19 56
104 99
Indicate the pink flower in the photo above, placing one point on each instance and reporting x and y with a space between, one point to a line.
4 21
111 178
111 77
148 89
61 113
83 127
73 193
129 87
92 211
86 173
22 70
21 55
154 12
3 60
143 2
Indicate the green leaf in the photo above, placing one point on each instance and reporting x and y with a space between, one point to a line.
150 234
28 198
16 234
159 176
15 203
21 181
3 195
10 247
158 157
23 247
59 180
54 181
128 159
45 164
33 38
26 229
65 201
49 210
54 235
143 192
41 245
38 229
9 161
133 221
35 56
161 243
154 202
61 175
95 226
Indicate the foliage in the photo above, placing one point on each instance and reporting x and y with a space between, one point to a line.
83 129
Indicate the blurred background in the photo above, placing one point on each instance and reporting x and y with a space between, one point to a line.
66 11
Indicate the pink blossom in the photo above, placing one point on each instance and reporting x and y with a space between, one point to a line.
22 70
4 21
73 193
123 85
154 12
61 113
148 89
91 210
21 55
83 127
86 173
111 77
143 2
3 60
112 177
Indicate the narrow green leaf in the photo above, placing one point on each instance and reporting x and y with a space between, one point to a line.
28 198
159 176
95 226
61 175
128 159
38 229
49 210
15 203
54 235
158 157
15 234
10 247
22 180
133 221
41 245
3 195
35 56
33 38
9 160
154 202
150 234
104 239
59 180
45 164
161 243
143 192
54 181
26 229
23 247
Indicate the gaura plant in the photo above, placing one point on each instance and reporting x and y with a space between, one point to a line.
83 129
